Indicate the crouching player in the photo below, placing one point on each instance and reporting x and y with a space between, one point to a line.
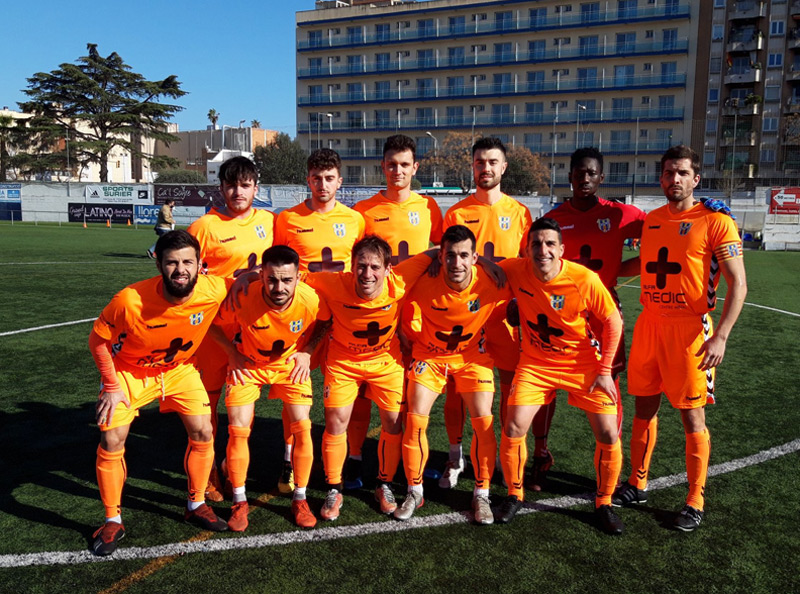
556 298
274 317
142 343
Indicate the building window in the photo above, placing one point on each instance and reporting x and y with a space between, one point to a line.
455 55
425 116
425 87
355 63
587 78
670 39
777 28
537 16
536 81
770 125
713 95
315 66
626 9
534 113
503 83
621 108
383 118
355 91
355 35
382 62
711 126
709 158
503 20
719 3
772 93
314 38
717 32
455 85
775 60
649 34
352 174
623 75
715 65
590 12
768 155
315 93
383 32
503 52
355 120
626 42
669 72
426 28
383 89
588 45
533 142
536 49
618 172
425 58
645 100
455 115
457 24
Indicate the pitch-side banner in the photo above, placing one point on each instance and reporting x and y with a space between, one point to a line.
80 212
10 192
785 201
188 195
116 194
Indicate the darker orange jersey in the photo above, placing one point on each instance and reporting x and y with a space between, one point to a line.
452 321
268 336
554 316
229 246
146 330
499 229
363 329
680 259
323 240
409 227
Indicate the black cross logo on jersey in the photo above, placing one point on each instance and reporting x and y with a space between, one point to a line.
278 347
585 259
488 252
372 333
327 264
544 330
402 253
252 262
454 338
662 267
174 346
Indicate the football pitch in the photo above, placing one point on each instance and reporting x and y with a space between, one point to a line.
55 281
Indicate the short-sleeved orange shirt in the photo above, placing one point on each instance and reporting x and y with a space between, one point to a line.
147 331
324 241
499 229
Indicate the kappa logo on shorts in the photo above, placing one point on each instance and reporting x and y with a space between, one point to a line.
296 326
684 228
604 225
557 301
505 223
260 232
473 305
340 229
413 217
196 318
420 367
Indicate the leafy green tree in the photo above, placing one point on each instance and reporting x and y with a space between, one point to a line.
453 160
525 173
180 176
281 162
103 105
10 140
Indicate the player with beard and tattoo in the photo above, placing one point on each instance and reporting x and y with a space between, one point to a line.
142 343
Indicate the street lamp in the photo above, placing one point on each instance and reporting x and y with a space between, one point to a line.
553 159
435 149
320 115
735 106
474 108
578 123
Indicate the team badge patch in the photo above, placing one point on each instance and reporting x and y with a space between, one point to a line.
420 367
474 305
505 223
604 225
196 318
386 307
260 232
413 217
557 301
296 326
340 229
684 228
734 250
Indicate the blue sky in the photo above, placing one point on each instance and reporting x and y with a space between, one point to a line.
234 56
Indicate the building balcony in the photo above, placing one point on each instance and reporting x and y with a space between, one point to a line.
743 138
748 9
486 28
741 109
792 105
793 75
794 10
753 75
751 44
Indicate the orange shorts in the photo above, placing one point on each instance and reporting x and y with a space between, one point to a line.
212 363
383 376
280 388
535 384
502 340
663 359
178 389
472 373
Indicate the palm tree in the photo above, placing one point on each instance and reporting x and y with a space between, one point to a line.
213 117
255 124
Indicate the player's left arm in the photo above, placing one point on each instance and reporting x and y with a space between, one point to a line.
497 274
631 267
602 305
302 358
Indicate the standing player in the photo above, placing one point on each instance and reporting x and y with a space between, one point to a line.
499 223
165 223
594 232
231 239
559 351
409 223
454 307
685 244
141 344
271 320
322 231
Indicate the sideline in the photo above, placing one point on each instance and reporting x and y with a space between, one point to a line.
382 527
59 325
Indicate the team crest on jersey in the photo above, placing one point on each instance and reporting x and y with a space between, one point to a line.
260 232
604 225
386 307
473 305
196 318
413 217
420 367
296 326
684 228
505 223
557 301
340 229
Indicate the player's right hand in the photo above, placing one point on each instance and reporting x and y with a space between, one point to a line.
239 289
107 404
239 366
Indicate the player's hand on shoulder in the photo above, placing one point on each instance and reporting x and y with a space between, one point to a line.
712 351
497 274
107 404
239 289
302 367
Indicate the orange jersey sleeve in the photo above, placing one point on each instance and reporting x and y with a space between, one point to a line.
324 241
145 330
229 246
554 316
680 259
500 229
409 227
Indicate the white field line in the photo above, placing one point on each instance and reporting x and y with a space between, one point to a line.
114 262
24 330
335 533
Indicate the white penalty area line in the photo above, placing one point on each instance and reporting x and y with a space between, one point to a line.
361 530
114 262
24 330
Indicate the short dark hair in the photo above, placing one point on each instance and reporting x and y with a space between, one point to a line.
169 201
279 255
488 143
374 245
588 152
176 240
545 224
682 151
237 169
399 143
324 159
457 234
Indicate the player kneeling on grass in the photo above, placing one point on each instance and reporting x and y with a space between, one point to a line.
454 306
141 344
555 299
274 321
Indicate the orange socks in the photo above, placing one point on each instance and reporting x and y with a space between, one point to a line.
698 450
334 453
483 450
238 455
303 452
415 447
513 456
111 475
607 465
643 440
197 463
389 450
359 424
